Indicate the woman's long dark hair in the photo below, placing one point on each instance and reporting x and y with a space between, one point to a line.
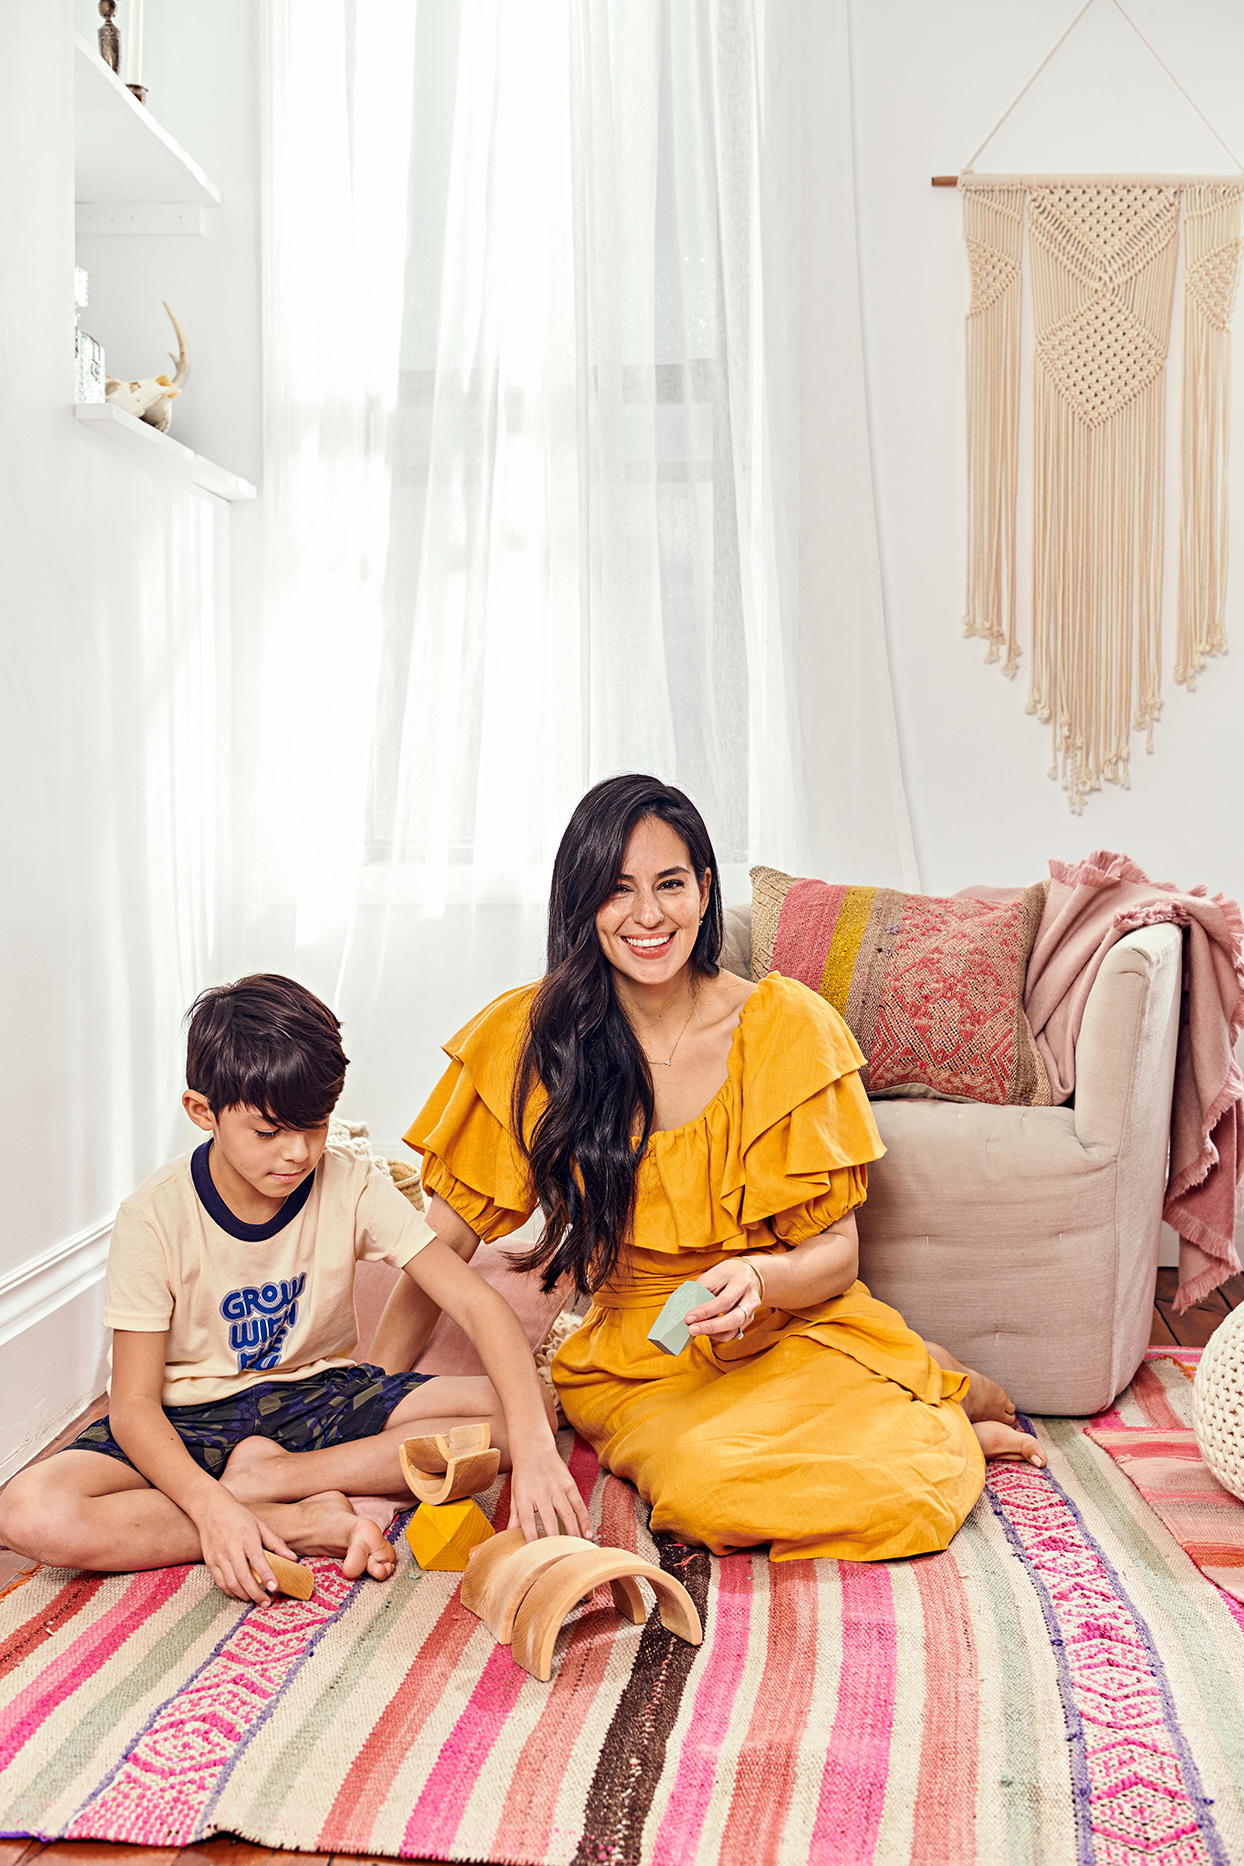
587 1144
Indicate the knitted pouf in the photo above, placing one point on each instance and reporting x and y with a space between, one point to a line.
1218 1404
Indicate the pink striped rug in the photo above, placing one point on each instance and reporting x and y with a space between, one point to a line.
1149 1435
1063 1685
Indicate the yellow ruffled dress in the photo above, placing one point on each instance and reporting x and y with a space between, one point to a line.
824 1431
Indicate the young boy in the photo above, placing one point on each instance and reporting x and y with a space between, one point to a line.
240 1420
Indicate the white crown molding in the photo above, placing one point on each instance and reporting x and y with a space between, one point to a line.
43 1284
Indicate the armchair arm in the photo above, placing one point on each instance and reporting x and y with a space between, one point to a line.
1125 1056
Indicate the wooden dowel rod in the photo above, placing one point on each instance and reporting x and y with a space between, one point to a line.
945 181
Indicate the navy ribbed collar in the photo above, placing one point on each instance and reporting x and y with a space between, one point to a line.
220 1214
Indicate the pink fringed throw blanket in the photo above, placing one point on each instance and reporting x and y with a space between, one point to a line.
1092 904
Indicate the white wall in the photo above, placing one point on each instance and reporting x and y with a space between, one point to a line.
929 82
115 616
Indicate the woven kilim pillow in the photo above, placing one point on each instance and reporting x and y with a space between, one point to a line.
932 990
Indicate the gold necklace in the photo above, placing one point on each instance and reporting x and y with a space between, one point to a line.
664 1062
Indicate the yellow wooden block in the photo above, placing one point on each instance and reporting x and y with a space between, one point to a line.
442 1535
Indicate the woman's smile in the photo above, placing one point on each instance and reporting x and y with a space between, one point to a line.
649 943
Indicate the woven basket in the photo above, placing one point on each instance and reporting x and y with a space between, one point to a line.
1218 1404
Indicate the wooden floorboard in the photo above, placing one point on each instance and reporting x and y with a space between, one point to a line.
1194 1327
1232 1291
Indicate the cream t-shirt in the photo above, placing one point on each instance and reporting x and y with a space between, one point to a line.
247 1303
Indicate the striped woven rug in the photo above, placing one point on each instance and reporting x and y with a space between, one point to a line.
1149 1435
1063 1685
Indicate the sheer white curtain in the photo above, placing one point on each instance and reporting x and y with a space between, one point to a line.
541 502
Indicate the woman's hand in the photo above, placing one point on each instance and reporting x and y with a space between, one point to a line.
736 1287
233 1538
542 1491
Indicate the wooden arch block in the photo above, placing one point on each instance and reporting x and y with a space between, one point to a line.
501 1573
291 1577
445 1468
544 1607
441 1536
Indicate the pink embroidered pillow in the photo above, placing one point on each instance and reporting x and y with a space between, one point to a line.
932 990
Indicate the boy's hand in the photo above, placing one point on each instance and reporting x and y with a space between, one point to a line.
542 1491
233 1538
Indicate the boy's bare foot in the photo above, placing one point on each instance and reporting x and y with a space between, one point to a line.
326 1525
379 1510
1003 1441
244 1473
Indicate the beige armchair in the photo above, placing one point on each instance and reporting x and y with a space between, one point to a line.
1026 1239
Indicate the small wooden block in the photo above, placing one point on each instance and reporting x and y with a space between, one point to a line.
434 1452
291 1577
441 1536
424 1454
464 1439
669 1331
441 1470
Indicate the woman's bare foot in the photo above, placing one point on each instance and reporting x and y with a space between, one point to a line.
987 1401
985 1398
326 1525
1003 1441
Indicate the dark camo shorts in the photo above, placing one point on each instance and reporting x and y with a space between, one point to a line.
332 1408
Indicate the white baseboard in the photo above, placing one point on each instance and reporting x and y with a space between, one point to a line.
53 1344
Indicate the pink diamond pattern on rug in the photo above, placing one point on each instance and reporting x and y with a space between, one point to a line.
163 1787
1138 1790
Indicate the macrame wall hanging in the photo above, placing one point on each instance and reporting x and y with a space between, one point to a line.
1102 260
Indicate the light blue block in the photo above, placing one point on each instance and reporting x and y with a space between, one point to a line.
669 1331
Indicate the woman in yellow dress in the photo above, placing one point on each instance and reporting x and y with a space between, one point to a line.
671 1121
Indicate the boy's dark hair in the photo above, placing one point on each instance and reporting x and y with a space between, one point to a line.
265 1042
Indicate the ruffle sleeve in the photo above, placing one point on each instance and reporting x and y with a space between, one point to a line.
788 1139
464 1131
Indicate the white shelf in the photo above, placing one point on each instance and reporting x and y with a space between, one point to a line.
128 172
161 450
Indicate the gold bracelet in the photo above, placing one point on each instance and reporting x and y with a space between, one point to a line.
753 1265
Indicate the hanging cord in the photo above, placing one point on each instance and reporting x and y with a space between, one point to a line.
969 164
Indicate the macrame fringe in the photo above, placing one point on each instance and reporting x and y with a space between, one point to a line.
1103 255
994 230
1211 267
